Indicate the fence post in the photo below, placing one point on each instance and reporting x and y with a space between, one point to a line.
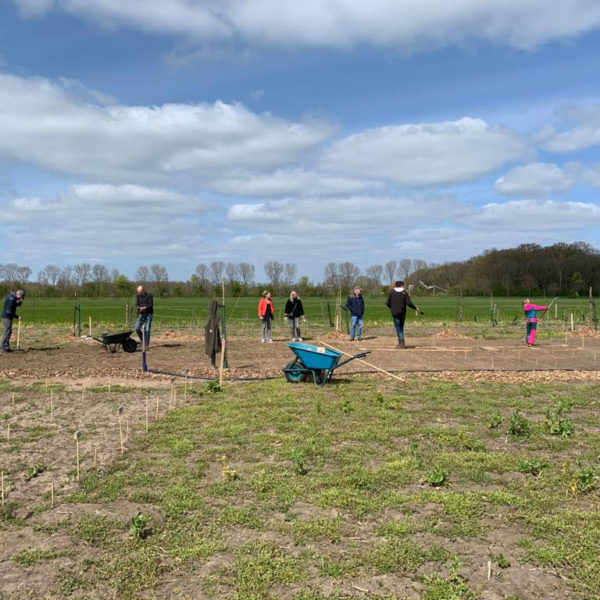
127 315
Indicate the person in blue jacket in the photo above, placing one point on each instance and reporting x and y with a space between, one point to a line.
356 305
9 313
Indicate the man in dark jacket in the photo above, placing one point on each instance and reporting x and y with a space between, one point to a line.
145 309
356 305
397 301
9 312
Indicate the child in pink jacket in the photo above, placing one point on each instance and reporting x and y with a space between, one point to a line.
531 311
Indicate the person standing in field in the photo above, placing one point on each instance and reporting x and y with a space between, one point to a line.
532 319
294 311
356 305
266 312
145 310
397 301
9 313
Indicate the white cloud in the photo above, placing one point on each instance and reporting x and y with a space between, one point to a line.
535 179
293 182
538 215
584 133
104 220
523 24
169 144
427 154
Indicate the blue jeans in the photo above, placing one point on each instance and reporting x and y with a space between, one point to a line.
355 322
265 328
146 321
7 323
399 325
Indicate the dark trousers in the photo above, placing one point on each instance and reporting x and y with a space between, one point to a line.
399 325
7 323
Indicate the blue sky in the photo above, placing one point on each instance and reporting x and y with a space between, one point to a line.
190 131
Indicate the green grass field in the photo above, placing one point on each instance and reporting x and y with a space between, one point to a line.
270 491
241 312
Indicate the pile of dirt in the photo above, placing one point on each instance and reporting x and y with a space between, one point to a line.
449 334
585 332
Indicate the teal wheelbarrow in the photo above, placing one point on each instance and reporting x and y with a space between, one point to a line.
314 362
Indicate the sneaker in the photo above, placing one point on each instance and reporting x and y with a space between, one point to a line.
299 340
269 341
351 340
262 341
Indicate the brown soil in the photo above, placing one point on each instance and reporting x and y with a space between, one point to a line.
81 364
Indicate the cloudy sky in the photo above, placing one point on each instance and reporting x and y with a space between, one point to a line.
188 131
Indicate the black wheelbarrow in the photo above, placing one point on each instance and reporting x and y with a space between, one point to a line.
314 361
113 340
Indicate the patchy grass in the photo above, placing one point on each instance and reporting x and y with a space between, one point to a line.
269 490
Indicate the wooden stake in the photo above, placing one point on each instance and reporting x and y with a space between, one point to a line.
51 405
13 399
2 478
52 494
109 385
365 362
18 333
8 433
90 326
156 415
95 457
77 435
147 409
120 409
572 323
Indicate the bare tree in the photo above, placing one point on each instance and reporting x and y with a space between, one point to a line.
8 272
159 273
65 279
405 267
274 273
390 269
348 273
373 273
23 274
201 273
114 275
418 264
82 272
231 272
142 275
289 273
100 273
49 274
331 276
216 271
246 271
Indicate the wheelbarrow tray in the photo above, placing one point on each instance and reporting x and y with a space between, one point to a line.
314 361
112 340
315 357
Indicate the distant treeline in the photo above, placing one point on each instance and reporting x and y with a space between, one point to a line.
557 270
528 270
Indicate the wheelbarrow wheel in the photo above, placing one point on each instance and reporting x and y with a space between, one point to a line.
130 345
294 375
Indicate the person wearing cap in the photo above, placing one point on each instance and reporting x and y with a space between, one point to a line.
356 305
397 301
9 313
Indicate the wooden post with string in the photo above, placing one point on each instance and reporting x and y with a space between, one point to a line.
223 341
18 332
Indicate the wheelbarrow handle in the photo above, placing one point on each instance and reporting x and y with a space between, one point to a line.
359 355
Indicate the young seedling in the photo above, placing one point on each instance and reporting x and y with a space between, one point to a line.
139 526
518 425
556 422
227 473
532 466
213 386
438 476
495 420
298 457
